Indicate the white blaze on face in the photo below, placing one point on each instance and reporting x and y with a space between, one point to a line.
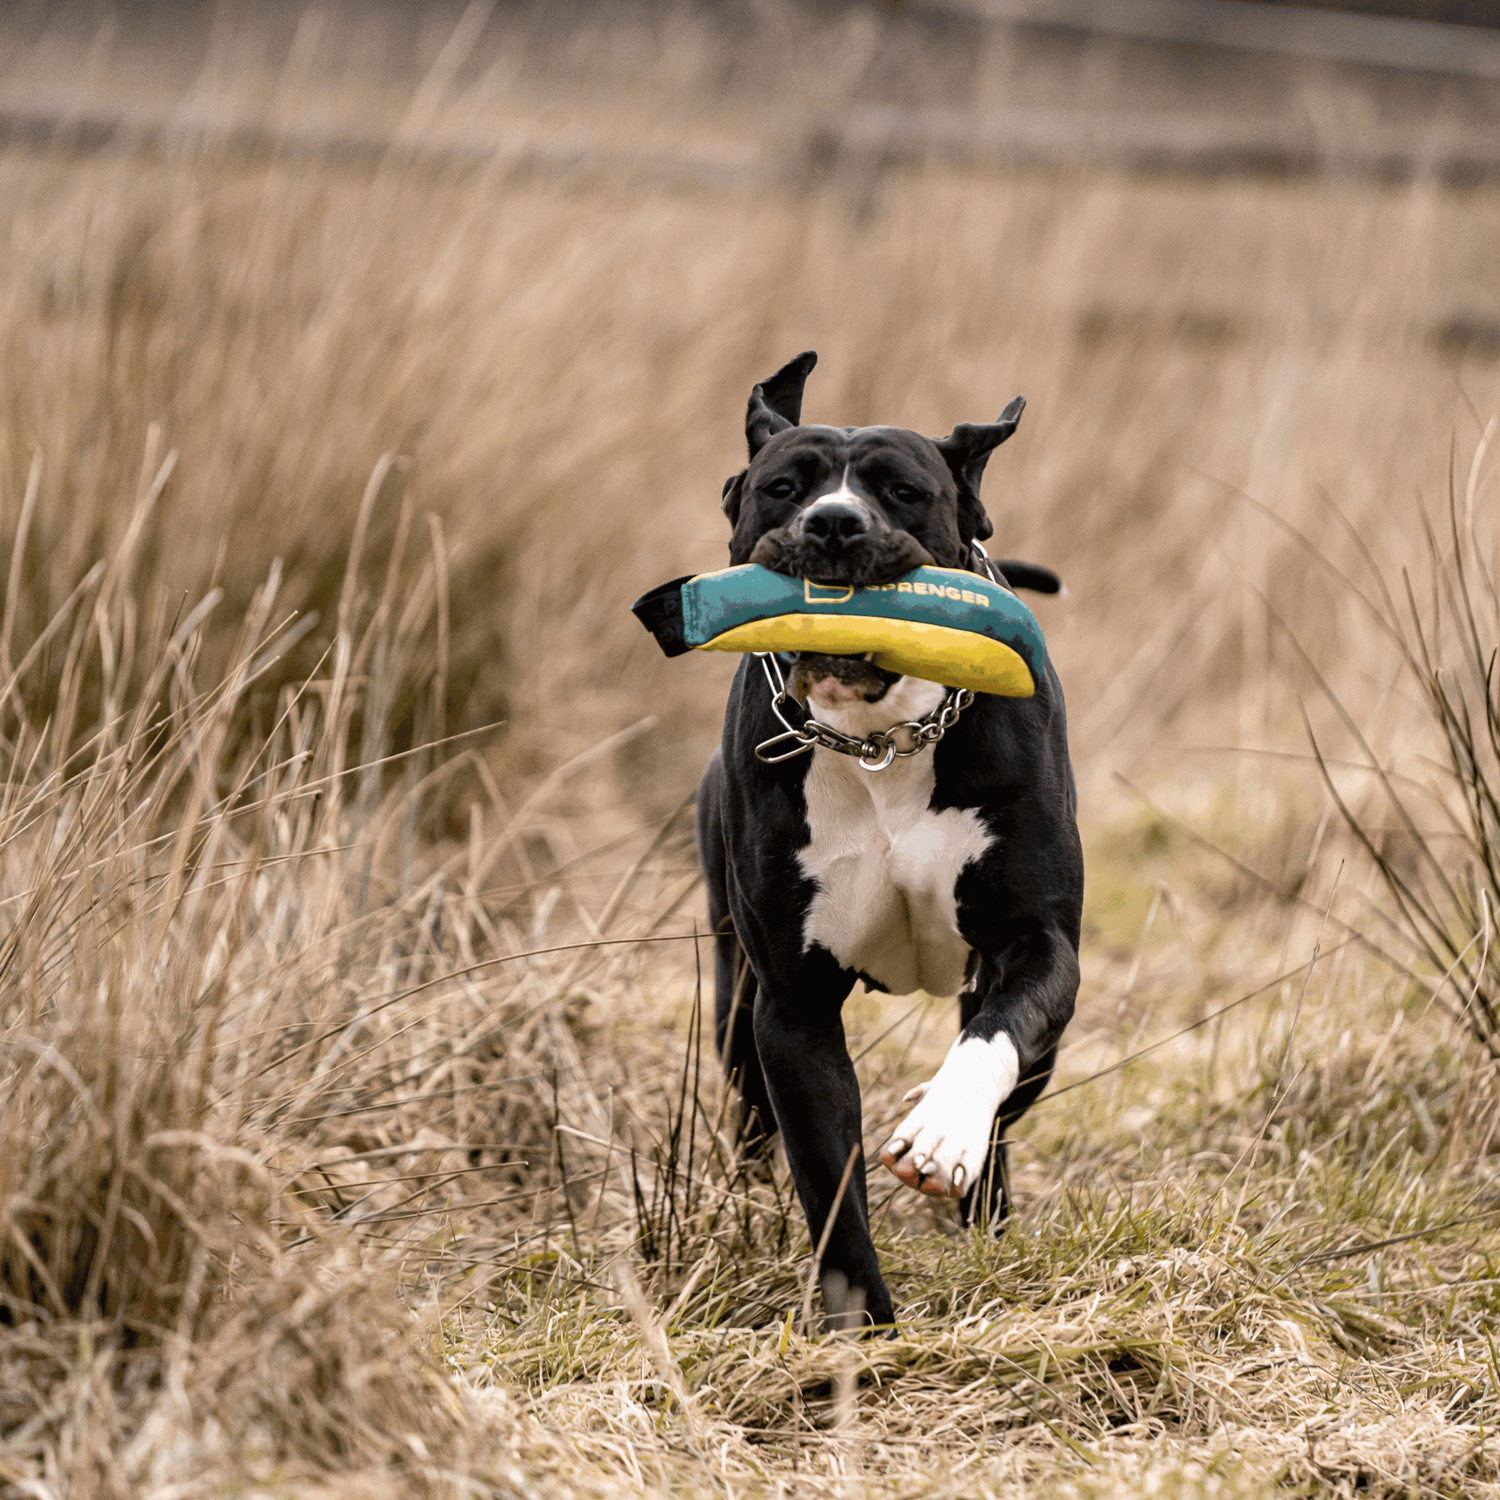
843 495
939 1148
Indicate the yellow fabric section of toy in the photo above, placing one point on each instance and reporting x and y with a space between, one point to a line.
937 653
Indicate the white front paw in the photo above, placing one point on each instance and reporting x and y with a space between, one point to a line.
939 1148
937 1153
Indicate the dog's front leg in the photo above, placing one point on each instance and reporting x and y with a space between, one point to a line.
1025 1000
815 1095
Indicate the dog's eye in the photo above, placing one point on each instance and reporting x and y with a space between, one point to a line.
780 489
907 494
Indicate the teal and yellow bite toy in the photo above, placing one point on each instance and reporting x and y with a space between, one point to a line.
940 624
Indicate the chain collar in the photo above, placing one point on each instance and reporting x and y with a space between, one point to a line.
878 749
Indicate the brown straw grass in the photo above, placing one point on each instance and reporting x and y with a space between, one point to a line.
361 1133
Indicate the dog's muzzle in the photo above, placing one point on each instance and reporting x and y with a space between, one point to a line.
840 541
835 525
838 677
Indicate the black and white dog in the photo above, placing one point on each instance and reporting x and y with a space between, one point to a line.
956 870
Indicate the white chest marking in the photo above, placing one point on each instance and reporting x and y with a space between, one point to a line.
885 866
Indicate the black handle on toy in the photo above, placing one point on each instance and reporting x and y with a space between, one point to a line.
1021 575
660 611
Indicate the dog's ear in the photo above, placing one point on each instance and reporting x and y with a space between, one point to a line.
733 487
776 404
966 450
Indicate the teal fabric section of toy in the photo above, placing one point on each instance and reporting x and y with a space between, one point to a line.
714 604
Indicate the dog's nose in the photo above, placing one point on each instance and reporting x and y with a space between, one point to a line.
835 521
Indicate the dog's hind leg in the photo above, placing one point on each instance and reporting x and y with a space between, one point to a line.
734 1029
734 980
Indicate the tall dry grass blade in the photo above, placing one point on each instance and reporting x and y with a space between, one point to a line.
17 557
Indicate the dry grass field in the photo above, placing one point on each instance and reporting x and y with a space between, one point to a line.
360 1136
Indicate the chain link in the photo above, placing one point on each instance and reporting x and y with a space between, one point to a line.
876 750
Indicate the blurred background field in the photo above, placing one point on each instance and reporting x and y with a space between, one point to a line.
358 365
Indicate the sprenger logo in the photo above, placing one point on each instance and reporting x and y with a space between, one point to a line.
826 593
832 593
942 590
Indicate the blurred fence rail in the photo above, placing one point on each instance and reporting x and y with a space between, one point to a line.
1197 87
1282 30
1211 146
867 142
45 121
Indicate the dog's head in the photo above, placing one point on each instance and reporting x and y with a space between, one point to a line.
855 505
